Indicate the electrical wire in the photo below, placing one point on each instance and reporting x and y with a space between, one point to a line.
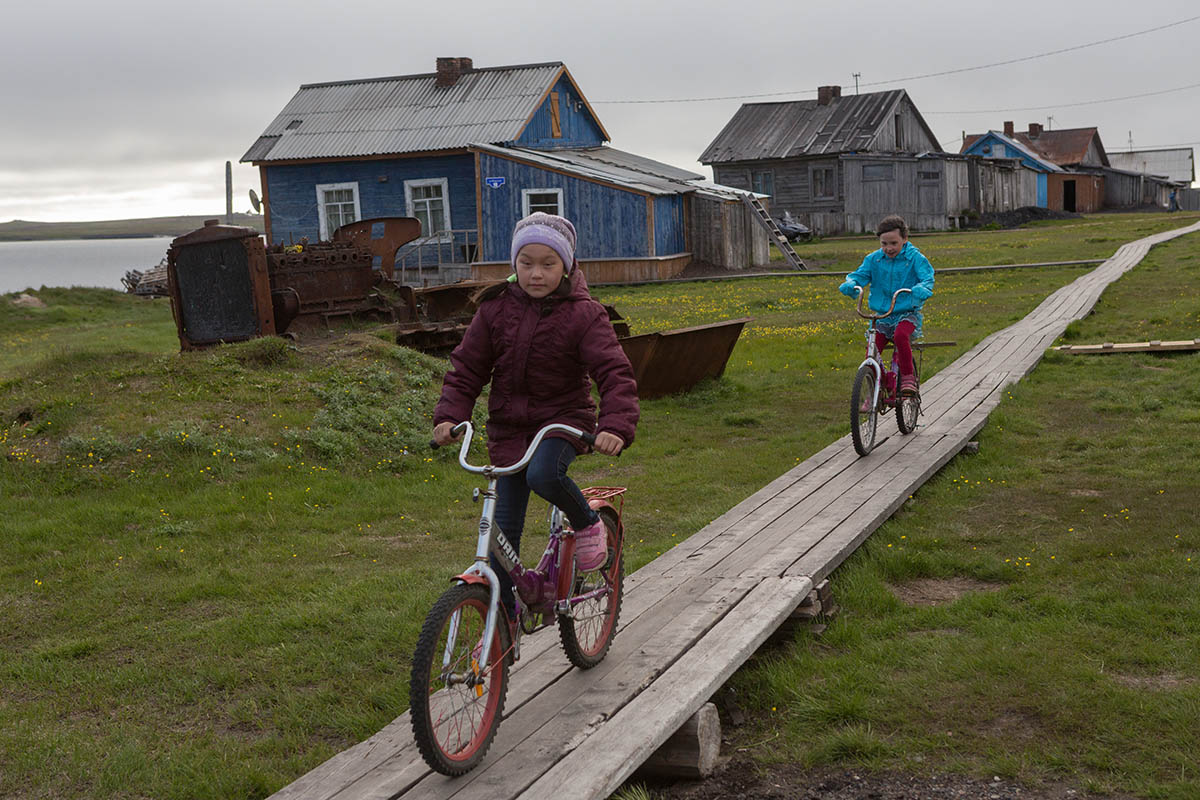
916 77
1070 105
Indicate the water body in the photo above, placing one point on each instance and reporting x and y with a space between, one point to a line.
76 262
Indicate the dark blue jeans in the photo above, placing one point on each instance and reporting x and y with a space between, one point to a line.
547 476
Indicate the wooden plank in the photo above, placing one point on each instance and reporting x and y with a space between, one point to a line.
1130 347
613 751
532 741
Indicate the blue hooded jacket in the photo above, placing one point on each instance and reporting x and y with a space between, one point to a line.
910 269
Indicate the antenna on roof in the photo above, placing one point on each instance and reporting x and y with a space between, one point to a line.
1049 122
857 75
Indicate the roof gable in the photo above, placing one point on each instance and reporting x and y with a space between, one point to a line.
408 114
975 145
1066 146
806 127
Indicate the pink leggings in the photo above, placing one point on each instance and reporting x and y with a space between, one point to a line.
904 332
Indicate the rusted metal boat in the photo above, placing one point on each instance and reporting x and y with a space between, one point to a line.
667 362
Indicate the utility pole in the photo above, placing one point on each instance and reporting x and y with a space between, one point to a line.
228 191
857 75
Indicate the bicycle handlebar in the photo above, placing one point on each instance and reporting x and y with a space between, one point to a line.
466 426
862 295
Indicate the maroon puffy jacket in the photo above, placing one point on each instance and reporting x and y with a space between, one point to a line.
538 355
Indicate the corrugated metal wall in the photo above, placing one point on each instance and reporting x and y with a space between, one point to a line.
291 189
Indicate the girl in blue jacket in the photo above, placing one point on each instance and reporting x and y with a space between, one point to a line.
897 264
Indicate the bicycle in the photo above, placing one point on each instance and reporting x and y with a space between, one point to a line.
457 694
874 392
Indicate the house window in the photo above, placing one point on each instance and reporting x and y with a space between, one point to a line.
899 132
878 172
429 201
764 182
548 201
824 186
337 205
928 176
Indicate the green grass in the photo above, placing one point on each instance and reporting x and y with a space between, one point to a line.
1075 656
1092 236
216 562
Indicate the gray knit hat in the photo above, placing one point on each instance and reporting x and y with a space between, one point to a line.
555 232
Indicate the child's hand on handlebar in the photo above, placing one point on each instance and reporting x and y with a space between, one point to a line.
443 434
608 443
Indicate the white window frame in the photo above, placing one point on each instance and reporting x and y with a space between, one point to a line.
525 212
322 221
408 203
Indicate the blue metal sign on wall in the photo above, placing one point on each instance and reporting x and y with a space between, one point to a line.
495 183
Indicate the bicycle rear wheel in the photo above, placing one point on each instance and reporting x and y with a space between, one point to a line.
587 629
908 408
863 418
456 696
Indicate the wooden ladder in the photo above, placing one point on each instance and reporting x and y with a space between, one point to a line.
764 219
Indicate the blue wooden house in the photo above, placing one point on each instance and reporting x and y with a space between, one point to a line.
469 151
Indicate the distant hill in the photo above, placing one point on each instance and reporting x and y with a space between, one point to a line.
20 230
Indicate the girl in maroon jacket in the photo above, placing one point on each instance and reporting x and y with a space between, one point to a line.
538 339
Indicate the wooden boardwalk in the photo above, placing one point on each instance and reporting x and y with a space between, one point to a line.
694 615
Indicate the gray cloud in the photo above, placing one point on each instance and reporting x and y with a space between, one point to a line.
131 94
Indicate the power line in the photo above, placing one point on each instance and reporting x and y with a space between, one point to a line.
1070 105
915 77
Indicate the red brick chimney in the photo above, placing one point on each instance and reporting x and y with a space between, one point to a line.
449 70
1035 130
827 94
1008 128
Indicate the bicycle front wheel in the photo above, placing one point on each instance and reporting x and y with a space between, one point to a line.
863 419
587 629
457 694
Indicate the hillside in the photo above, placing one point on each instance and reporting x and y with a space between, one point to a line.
22 230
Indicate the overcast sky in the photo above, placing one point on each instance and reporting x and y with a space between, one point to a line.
130 108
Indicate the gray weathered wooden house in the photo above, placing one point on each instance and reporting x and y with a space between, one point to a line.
837 163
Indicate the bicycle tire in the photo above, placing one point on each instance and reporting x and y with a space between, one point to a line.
587 631
908 408
454 720
863 423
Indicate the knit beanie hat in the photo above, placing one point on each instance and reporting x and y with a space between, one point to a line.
555 232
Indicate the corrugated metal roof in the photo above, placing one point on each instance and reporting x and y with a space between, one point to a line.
803 127
617 167
1065 146
1017 144
1178 164
405 114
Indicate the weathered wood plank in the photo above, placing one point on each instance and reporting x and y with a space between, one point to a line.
614 750
532 740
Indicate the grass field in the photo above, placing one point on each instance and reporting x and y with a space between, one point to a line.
218 561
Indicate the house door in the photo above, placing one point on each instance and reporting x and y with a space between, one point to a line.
1068 195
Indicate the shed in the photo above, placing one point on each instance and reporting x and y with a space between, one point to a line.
1177 164
467 151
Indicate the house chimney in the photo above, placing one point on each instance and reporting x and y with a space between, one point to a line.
1035 130
1008 128
449 70
827 94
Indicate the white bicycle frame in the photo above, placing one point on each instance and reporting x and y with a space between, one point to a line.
487 520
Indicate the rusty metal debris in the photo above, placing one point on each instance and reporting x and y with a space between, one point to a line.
226 286
673 361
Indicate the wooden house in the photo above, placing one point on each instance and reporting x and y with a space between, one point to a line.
838 163
468 151
1071 162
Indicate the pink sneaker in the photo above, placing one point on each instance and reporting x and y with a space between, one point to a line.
591 546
